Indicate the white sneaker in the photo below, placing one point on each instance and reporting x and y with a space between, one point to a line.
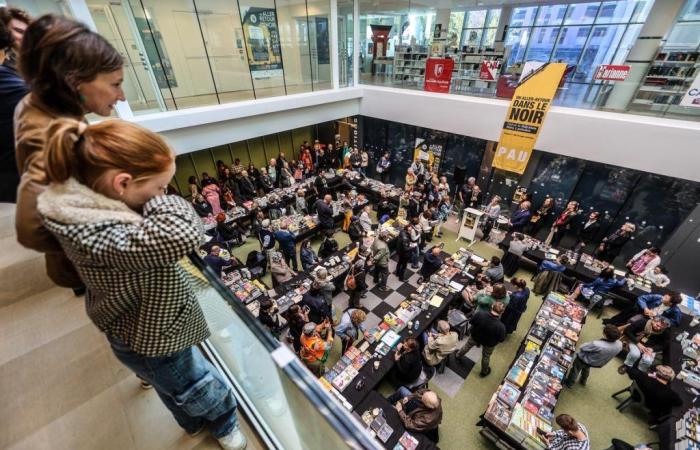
235 440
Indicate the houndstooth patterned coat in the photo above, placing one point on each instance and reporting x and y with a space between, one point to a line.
136 290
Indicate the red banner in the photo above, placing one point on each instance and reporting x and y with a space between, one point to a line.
489 70
438 74
610 72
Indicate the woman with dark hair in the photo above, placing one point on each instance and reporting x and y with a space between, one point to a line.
307 255
297 317
194 186
541 217
72 71
409 362
517 305
603 284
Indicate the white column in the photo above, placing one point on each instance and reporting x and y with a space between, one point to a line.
442 16
356 43
654 31
335 69
502 24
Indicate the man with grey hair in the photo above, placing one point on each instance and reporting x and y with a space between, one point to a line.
659 396
465 195
439 343
420 411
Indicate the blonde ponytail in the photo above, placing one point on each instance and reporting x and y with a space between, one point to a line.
64 139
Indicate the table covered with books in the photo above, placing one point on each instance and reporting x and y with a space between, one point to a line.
584 267
384 423
522 406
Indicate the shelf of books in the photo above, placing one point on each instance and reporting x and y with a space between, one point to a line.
668 77
409 64
465 76
523 405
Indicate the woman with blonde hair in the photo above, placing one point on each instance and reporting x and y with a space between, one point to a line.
105 204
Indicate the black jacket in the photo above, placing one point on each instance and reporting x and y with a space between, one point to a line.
658 342
247 188
588 234
328 247
659 398
404 244
318 308
408 367
487 329
413 208
355 231
321 185
325 214
12 89
203 208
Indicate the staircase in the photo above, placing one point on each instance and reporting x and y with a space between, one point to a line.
60 385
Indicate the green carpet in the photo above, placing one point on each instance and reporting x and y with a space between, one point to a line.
591 405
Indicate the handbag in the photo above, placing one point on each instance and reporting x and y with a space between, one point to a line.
350 282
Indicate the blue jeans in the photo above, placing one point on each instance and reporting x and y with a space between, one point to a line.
401 393
191 388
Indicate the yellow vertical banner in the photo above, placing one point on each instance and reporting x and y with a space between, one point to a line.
525 117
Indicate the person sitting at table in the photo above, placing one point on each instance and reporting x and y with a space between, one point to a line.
315 349
651 305
587 231
595 354
558 265
420 411
439 343
287 244
645 337
228 232
280 271
351 327
328 245
270 317
409 363
307 255
484 298
521 217
659 397
486 331
594 291
215 261
659 277
572 435
432 261
516 306
494 272
511 259
202 206
644 261
385 209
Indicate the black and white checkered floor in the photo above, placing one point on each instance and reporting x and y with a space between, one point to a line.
378 304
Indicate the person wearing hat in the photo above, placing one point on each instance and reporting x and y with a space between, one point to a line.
659 396
381 255
315 349
281 273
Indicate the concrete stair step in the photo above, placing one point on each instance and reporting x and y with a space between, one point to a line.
22 272
7 220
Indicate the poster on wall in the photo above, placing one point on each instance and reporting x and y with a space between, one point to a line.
322 49
428 152
263 43
489 70
692 95
438 74
611 72
525 117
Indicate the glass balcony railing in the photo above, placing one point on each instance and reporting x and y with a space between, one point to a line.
290 409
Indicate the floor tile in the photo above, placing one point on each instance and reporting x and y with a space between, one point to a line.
447 382
371 301
372 320
382 309
406 289
395 299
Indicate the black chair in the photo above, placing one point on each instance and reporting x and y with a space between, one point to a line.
636 397
566 284
433 435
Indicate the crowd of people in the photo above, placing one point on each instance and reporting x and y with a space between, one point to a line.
91 197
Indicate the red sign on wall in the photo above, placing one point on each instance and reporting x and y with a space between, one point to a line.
489 70
610 72
438 74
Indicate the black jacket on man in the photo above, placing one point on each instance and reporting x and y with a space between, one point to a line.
487 329
325 214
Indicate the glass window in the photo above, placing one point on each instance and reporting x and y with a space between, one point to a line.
600 49
616 12
400 142
581 13
641 12
656 206
551 15
605 189
493 18
475 19
541 44
318 16
523 17
374 138
454 28
570 44
277 43
516 40
472 37
223 37
556 176
345 42
691 10
626 44
489 38
462 154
